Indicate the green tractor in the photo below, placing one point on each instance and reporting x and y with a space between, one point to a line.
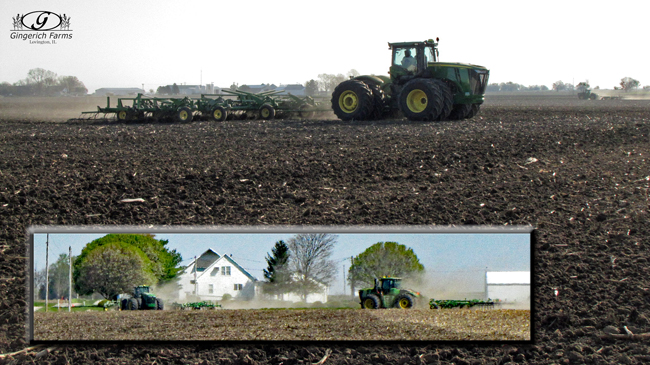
141 298
387 293
419 86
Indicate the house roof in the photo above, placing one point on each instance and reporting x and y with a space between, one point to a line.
508 277
212 262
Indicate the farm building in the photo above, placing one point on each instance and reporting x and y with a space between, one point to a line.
211 276
508 286
118 91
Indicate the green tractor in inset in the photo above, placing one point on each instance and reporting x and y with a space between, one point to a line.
387 293
419 87
141 298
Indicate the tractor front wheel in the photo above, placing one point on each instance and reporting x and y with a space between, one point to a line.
353 100
405 301
133 304
371 302
159 304
421 99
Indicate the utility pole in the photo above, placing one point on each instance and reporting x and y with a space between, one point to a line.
343 278
47 271
195 283
70 279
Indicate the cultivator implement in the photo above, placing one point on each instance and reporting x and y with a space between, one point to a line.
452 303
233 105
198 305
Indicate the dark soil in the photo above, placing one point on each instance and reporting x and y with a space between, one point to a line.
285 325
575 170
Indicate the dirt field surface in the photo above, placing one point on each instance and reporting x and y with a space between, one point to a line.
286 325
575 170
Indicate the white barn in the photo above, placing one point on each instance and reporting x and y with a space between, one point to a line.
508 286
211 276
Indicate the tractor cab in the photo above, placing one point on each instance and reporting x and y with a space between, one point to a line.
411 58
138 291
388 284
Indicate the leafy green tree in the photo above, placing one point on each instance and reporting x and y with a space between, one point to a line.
383 259
158 262
112 269
277 274
310 262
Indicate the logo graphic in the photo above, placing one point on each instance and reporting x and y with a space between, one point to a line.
35 24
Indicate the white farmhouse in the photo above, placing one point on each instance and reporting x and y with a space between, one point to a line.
211 276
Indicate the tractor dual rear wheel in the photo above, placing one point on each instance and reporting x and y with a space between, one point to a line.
371 302
353 100
422 100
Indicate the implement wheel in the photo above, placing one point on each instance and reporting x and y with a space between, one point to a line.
219 114
122 115
421 99
353 100
184 115
267 112
405 301
371 302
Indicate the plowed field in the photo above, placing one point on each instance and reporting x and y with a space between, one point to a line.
575 170
283 325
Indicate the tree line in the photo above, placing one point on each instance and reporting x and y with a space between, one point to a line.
41 82
303 265
626 84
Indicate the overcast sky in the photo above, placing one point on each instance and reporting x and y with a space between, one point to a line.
130 43
444 255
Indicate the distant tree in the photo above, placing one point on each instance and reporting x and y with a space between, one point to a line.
175 89
112 269
310 262
59 277
509 86
39 76
328 82
245 88
628 83
39 284
559 86
164 90
544 88
494 87
311 87
383 259
353 73
72 85
277 274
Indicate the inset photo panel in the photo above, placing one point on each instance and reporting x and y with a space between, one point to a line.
281 284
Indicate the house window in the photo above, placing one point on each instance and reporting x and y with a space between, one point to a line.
192 282
210 288
225 270
215 271
238 287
